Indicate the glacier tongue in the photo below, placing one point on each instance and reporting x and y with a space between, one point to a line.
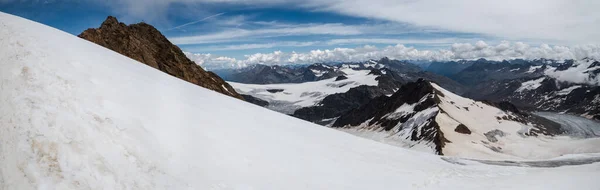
74 115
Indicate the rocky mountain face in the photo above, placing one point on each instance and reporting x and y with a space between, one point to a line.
483 70
423 113
543 94
147 45
335 105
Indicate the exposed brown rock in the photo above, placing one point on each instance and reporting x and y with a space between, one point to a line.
146 44
462 129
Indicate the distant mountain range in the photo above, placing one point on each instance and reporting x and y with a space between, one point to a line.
324 91
514 81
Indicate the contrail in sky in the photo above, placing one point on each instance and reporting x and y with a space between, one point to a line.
190 23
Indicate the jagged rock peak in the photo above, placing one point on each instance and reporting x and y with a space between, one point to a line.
147 45
110 21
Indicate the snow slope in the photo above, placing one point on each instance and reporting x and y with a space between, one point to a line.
289 97
74 115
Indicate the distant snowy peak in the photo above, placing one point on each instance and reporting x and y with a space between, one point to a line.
570 86
584 71
471 73
424 115
550 94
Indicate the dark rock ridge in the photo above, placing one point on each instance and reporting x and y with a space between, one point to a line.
255 100
380 112
336 104
147 45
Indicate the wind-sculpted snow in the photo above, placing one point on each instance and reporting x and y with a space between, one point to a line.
74 115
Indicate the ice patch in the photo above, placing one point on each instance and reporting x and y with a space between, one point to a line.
567 91
530 85
532 69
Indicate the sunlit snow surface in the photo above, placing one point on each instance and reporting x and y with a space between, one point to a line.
74 115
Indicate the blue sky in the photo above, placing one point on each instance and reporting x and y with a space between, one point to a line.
235 31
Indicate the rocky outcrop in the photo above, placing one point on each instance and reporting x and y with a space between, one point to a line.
410 111
255 100
336 104
462 128
147 45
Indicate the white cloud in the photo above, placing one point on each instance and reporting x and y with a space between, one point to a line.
345 41
503 50
254 46
392 41
568 21
294 30
576 74
564 21
209 61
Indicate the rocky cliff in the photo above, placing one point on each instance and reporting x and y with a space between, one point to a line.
146 44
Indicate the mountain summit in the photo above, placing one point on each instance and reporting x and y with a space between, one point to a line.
146 44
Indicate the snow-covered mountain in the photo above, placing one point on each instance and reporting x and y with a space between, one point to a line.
570 87
287 98
340 88
75 115
422 115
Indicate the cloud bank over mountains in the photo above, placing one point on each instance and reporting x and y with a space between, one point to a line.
581 73
457 51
